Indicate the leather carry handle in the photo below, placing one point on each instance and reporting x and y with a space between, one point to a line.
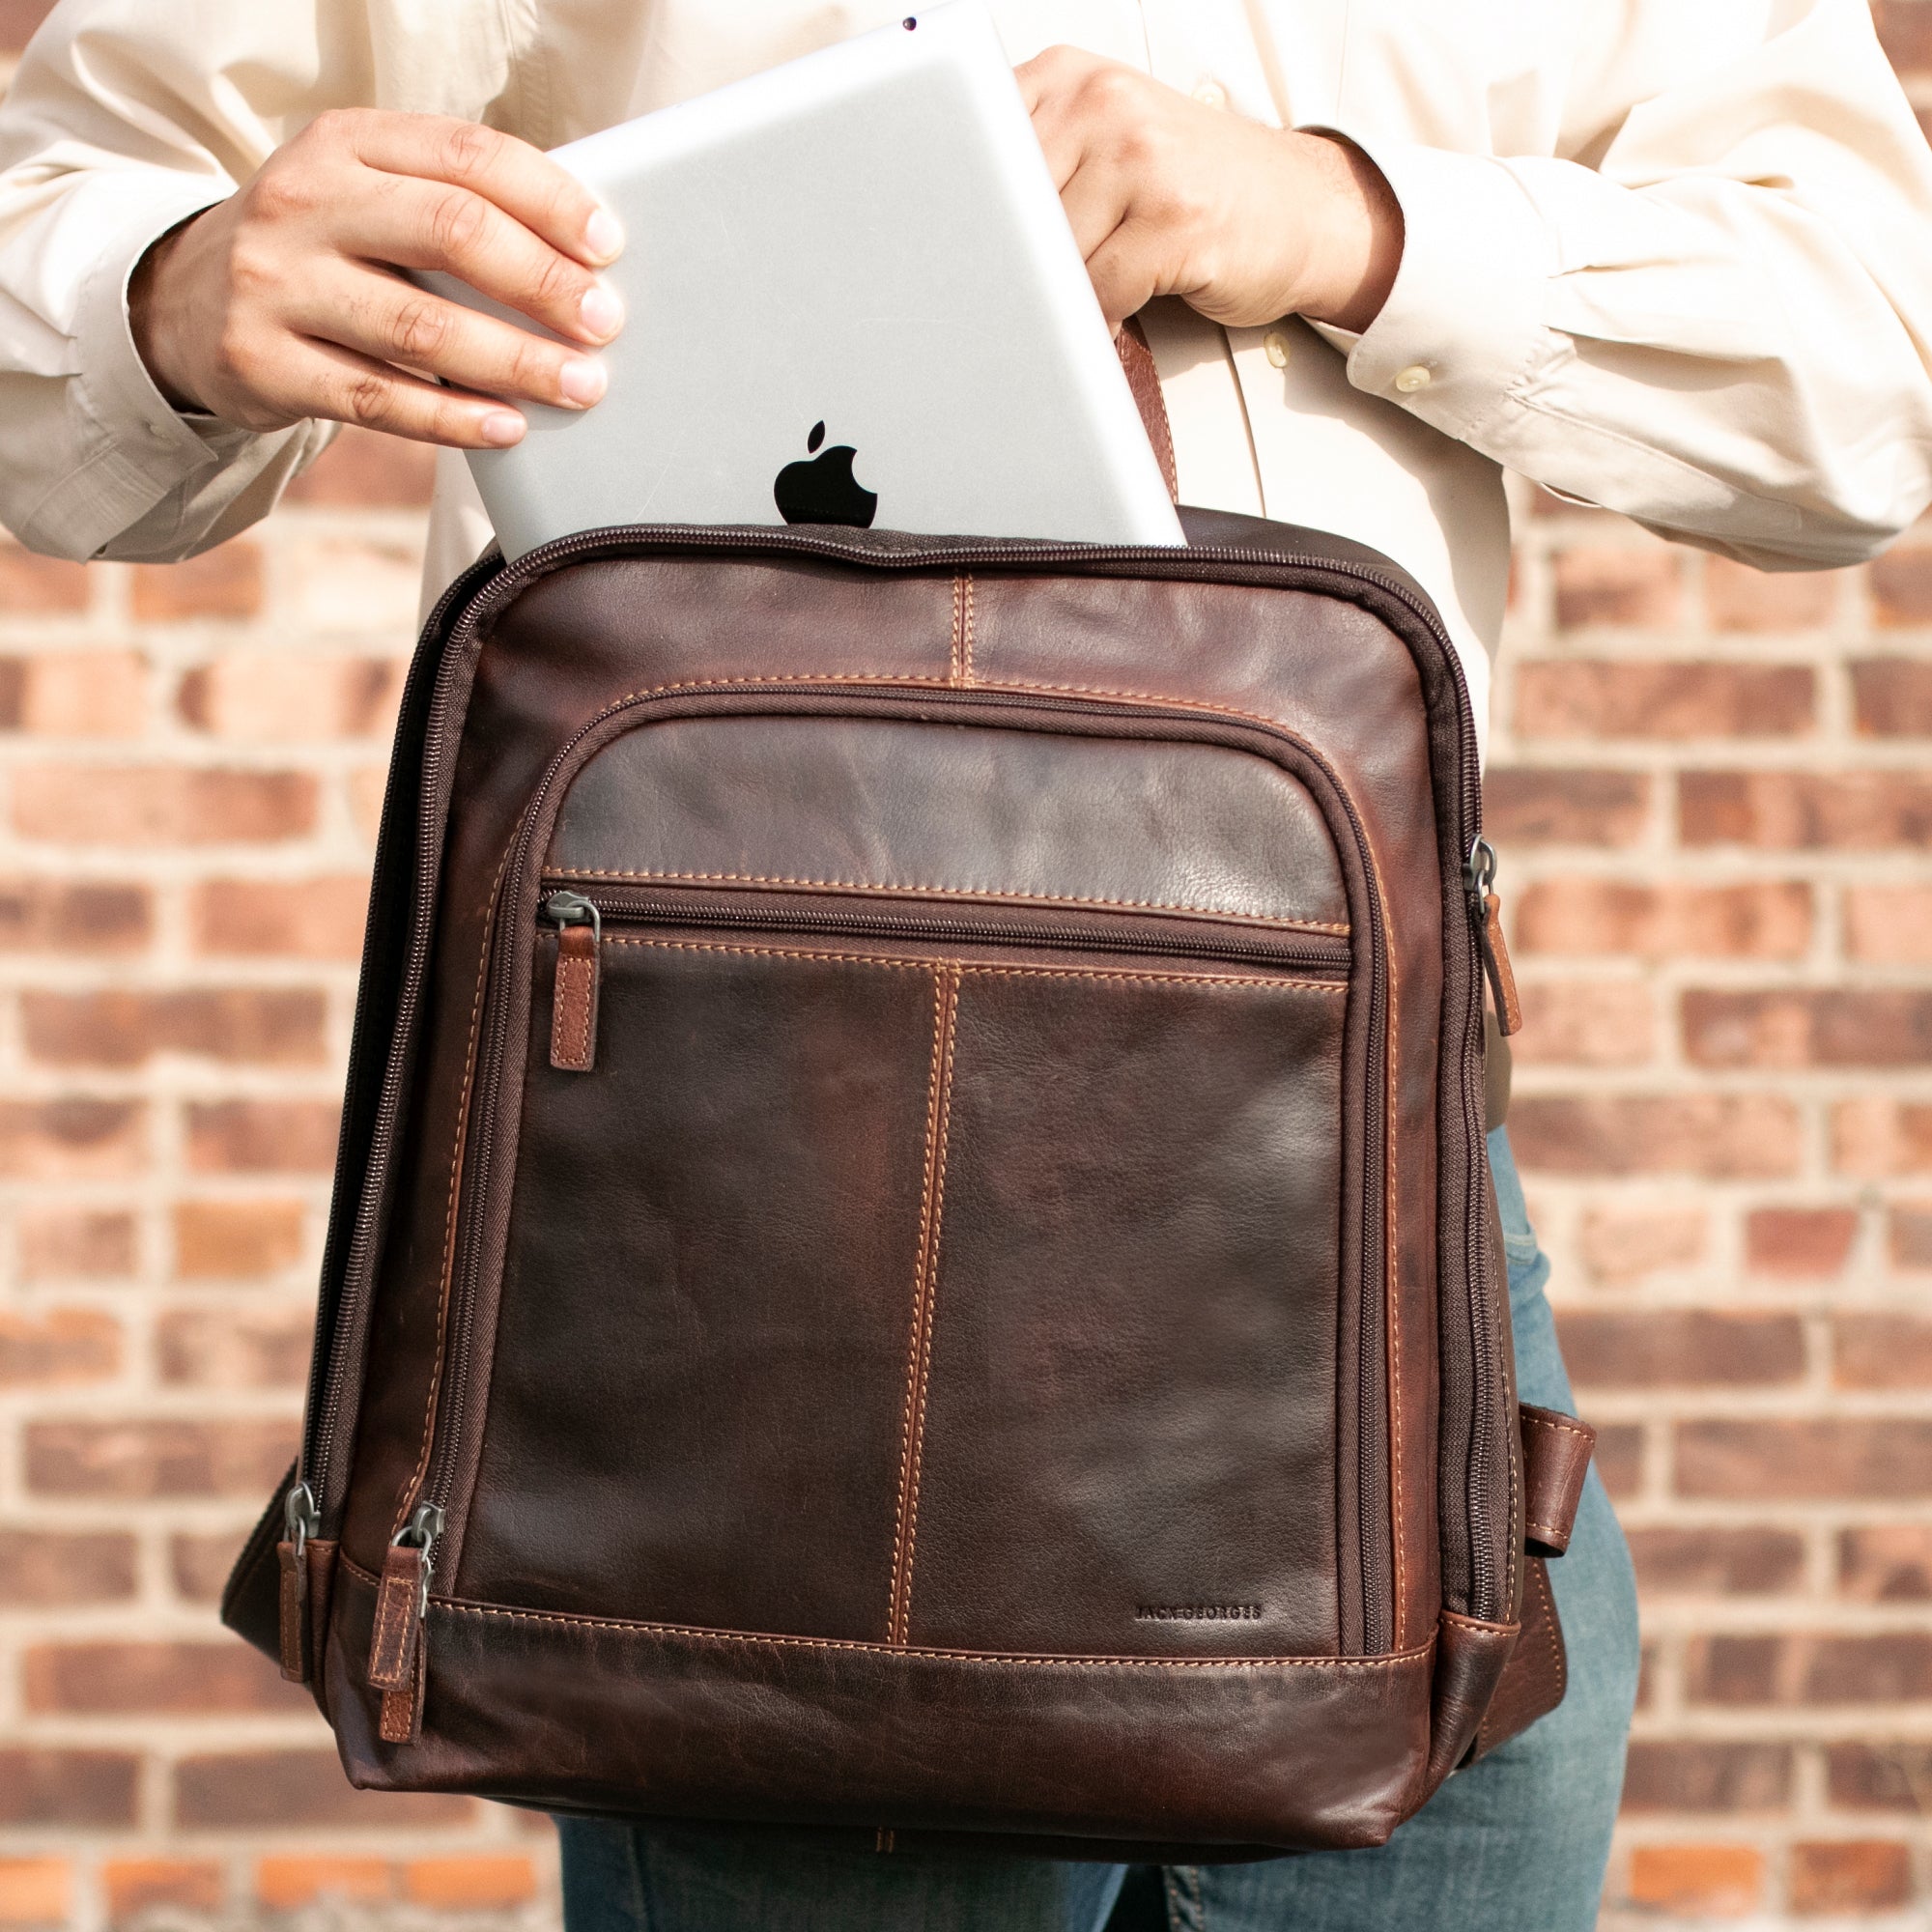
1144 379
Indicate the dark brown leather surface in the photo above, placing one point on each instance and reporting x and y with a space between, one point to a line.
1555 1459
1538 1673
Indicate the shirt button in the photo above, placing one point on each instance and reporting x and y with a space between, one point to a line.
1415 377
1211 93
1279 348
159 431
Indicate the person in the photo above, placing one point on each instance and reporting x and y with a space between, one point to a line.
1672 261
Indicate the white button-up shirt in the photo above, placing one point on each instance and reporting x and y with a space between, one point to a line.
1673 257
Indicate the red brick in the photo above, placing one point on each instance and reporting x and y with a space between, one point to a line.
365 469
199 1564
1618 1244
75 1243
1802 1241
1725 1879
1717 1136
262 1136
1696 1775
1582 915
1878 1139
1910 1230
1713 1560
477 1881
1892 1667
241 1790
281 1026
1619 1458
287 1883
1680 1348
30 586
1892 697
56 1346
1584 1023
137 1888
1568 698
143 1461
162 805
209 1348
74 695
1738 598
225 582
181 1679
1901 581
304 918
1794 1028
1850 1875
1623 586
52 1569
35 1891
1885 1563
1798 811
366 786
1531 805
52 916
71 1140
254 699
1888 926
1880 1776
235 1240
66 1787
1873 1351
1821 1459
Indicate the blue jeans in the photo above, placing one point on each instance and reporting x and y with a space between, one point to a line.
1517 1843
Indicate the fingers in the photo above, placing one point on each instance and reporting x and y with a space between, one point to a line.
384 318
415 224
323 379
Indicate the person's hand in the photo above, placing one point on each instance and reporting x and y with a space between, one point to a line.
1170 197
283 302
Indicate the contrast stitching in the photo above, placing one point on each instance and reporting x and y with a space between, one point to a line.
568 988
912 1428
1550 1532
966 629
962 892
1557 1657
891 963
449 1223
1393 1235
953 674
1475 1623
1394 1660
391 1606
1561 1427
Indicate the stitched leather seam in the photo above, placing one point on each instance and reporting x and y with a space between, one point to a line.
1561 1427
938 1095
1397 1659
1561 1661
1547 1531
1266 920
1392 1235
966 629
391 1606
574 989
892 964
1475 1623
416 1480
931 1290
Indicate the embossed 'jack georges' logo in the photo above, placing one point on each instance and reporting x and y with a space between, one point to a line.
1197 1613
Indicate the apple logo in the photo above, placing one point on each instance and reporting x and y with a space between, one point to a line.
824 491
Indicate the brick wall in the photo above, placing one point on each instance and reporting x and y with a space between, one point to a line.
1714 805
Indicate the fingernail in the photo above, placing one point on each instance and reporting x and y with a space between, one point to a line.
603 235
581 380
601 311
501 428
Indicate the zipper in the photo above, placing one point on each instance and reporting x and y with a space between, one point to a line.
490 583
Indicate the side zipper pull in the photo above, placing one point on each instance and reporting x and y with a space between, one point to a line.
1486 915
573 1009
302 1520
396 1649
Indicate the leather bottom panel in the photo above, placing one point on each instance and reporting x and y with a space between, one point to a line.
632 1720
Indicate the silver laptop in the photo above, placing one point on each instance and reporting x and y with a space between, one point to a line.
853 299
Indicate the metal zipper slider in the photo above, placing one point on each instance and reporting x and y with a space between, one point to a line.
1486 915
300 1520
572 1010
397 1662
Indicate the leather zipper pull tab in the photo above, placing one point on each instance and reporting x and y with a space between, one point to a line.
396 1650
1486 915
572 1010
301 1521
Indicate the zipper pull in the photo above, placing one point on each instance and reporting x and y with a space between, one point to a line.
301 1520
1486 915
396 1658
572 1007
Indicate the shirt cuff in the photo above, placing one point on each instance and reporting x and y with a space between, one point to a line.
135 448
1463 322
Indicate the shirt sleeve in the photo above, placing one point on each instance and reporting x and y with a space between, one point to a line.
124 119
1720 323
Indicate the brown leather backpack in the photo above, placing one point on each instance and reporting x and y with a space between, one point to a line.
913 1251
